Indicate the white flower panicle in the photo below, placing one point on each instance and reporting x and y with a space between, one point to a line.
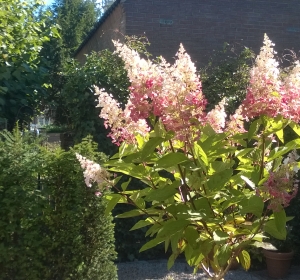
93 173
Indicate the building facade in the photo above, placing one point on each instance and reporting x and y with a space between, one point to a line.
201 25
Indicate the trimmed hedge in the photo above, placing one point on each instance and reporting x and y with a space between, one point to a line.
51 225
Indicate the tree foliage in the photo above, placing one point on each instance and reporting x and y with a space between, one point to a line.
77 107
22 69
76 18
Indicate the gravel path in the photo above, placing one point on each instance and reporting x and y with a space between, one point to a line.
150 270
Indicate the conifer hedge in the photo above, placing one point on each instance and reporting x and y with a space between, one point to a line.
51 225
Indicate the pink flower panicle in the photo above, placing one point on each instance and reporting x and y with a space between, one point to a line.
93 173
171 92
236 122
217 117
121 125
282 186
267 93
263 93
291 98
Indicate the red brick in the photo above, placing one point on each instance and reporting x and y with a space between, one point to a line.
206 24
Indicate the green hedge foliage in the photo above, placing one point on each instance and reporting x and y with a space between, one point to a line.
227 76
77 100
51 225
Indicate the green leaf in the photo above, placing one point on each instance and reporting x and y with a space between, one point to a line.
171 159
164 193
133 158
280 221
141 224
119 166
274 125
153 229
131 213
171 261
218 166
264 245
276 153
140 140
208 130
218 180
191 236
124 150
203 208
171 227
244 259
200 154
137 171
206 247
294 144
295 128
112 203
271 228
279 134
150 146
253 128
125 184
175 240
224 254
254 205
220 236
152 243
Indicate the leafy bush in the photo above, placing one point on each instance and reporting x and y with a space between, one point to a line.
129 251
227 76
212 188
52 128
77 99
51 225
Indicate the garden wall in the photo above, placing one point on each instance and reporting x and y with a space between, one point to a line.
202 26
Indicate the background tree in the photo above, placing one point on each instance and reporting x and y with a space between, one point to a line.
76 18
22 68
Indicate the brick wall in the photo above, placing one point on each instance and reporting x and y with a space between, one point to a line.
201 25
204 25
112 28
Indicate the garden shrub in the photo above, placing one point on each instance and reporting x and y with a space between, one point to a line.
226 187
77 99
78 110
129 251
22 246
51 225
227 76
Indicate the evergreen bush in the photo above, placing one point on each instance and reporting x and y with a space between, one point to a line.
51 225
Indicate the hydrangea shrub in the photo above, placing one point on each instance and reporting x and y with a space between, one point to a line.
214 184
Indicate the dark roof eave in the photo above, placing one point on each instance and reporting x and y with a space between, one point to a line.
97 25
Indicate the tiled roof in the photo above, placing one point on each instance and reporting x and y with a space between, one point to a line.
97 25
